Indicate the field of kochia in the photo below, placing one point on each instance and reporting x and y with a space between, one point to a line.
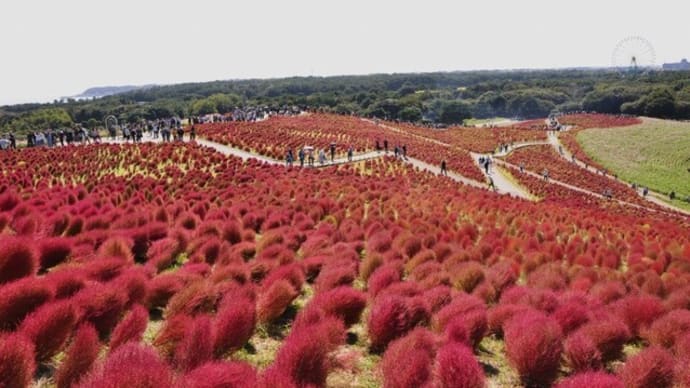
172 265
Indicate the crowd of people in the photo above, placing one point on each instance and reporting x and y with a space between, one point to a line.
52 138
250 114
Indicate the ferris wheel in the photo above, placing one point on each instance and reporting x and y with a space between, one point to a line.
633 55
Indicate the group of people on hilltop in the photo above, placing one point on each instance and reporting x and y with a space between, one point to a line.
249 114
307 153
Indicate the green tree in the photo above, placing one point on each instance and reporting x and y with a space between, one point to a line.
204 107
455 112
224 103
660 103
410 113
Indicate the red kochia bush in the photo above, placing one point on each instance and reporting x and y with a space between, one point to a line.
334 276
581 352
198 297
391 317
682 375
80 356
196 347
131 328
54 251
533 347
468 328
381 278
161 288
343 302
570 316
49 328
609 334
303 357
682 346
456 366
102 306
502 313
234 324
18 258
172 333
17 364
652 367
221 374
639 312
132 365
66 282
461 305
20 298
291 272
416 352
591 380
667 329
272 303
133 282
117 247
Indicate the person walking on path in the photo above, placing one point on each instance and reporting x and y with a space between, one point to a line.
545 174
444 170
385 145
301 157
404 151
332 152
492 186
289 158
350 153
13 141
192 133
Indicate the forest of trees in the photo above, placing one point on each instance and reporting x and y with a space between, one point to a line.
432 97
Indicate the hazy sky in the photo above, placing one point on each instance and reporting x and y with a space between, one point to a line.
57 48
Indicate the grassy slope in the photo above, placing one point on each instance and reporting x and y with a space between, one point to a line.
655 154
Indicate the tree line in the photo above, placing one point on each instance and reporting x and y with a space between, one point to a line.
446 98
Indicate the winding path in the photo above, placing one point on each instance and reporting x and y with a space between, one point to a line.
244 155
503 184
652 196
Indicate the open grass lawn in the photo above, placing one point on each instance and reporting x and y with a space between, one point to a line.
473 122
655 153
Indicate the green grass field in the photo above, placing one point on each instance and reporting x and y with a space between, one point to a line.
473 122
655 154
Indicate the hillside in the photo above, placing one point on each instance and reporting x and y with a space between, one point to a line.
653 154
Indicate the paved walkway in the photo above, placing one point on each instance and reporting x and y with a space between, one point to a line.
502 184
424 166
517 146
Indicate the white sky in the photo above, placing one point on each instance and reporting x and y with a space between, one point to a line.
53 48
